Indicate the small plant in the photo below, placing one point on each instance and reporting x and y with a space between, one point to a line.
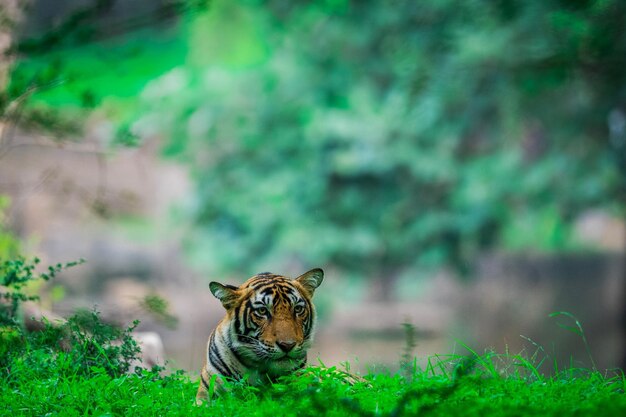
407 360
16 274
83 343
93 345
158 307
576 329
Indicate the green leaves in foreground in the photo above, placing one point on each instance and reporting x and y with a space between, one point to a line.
81 367
315 393
83 343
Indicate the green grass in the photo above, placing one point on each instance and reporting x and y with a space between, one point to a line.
81 368
52 387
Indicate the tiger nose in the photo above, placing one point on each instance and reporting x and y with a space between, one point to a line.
286 346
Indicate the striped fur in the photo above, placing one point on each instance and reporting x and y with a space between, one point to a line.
266 332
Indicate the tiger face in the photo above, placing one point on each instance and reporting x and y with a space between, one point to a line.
269 320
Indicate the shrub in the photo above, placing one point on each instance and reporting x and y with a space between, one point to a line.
83 343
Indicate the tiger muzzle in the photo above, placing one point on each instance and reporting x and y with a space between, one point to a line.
286 346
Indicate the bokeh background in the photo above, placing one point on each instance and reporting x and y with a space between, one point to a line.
457 168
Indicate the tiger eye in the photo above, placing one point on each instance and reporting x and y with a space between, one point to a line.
262 311
298 309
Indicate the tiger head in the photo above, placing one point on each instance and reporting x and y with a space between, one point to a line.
270 319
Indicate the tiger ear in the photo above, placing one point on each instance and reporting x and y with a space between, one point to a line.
311 280
227 294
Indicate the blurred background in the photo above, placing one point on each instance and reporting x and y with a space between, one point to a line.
457 168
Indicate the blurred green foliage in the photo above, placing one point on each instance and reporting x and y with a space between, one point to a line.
385 136
9 244
76 79
92 59
377 136
159 308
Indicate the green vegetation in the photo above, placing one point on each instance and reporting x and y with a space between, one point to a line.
82 367
380 138
386 138
82 342
29 388
58 76
377 138
9 244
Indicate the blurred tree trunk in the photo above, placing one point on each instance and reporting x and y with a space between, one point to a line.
383 285
10 15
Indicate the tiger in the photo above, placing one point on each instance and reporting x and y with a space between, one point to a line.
266 332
